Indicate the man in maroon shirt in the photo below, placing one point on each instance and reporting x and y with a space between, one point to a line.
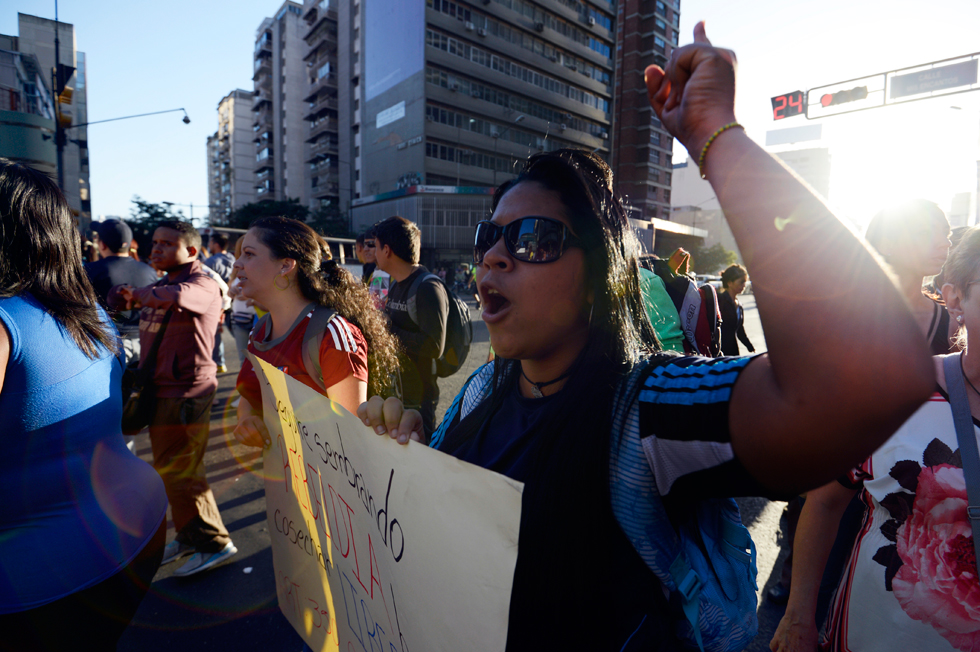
184 382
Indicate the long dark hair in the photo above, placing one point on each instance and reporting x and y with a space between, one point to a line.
323 281
570 476
40 253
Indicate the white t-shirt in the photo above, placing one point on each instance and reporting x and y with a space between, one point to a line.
911 582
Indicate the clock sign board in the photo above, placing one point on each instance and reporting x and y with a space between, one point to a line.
788 105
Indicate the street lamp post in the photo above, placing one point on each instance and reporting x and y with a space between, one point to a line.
186 119
496 140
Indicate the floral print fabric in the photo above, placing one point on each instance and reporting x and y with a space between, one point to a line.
912 581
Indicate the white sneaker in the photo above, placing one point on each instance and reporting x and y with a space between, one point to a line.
202 561
174 551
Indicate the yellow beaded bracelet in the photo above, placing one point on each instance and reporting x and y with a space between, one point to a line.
704 150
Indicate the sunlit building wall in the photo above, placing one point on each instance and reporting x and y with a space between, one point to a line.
322 102
36 37
812 165
281 84
231 156
492 82
27 129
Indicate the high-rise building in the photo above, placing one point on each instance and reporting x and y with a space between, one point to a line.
231 157
320 35
646 34
813 166
281 84
27 114
491 82
36 37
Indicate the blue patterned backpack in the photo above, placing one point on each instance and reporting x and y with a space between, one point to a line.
707 565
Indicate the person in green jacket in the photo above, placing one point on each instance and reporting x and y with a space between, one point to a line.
661 312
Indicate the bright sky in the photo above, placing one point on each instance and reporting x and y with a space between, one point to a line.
151 56
923 149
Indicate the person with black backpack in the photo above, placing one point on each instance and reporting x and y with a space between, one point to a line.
418 309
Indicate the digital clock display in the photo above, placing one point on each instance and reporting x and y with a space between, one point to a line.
787 105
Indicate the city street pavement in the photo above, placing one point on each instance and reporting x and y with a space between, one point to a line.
233 607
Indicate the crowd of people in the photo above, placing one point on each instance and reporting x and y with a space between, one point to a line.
599 397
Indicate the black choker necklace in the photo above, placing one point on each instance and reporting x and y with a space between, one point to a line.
537 387
962 371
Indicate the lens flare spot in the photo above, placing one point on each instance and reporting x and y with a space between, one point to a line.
781 222
114 492
308 622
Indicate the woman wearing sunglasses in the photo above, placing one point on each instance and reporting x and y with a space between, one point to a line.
558 275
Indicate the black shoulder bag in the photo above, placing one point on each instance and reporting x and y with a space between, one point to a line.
138 406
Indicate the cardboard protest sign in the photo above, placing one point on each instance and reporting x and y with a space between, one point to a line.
377 545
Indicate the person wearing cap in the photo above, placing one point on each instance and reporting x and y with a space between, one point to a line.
116 267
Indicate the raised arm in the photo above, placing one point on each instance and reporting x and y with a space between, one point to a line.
846 364
815 534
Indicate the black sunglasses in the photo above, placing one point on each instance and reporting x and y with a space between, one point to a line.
530 239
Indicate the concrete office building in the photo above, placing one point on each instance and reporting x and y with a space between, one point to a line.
27 128
320 17
279 129
695 203
696 206
36 37
452 94
962 209
812 165
231 157
646 34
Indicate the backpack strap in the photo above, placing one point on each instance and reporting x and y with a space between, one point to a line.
312 339
413 290
667 562
967 438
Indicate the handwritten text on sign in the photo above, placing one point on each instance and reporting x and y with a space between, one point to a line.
379 546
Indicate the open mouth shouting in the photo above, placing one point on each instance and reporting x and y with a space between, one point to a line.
495 305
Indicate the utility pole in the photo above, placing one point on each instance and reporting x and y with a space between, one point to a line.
59 133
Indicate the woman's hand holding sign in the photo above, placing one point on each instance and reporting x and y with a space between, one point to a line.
390 416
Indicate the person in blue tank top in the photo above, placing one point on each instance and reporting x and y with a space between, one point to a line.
82 520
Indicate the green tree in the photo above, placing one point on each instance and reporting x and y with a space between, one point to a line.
243 217
330 221
713 259
144 218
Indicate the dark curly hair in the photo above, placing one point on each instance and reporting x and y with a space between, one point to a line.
323 281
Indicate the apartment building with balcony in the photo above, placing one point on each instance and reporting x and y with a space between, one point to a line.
231 156
322 112
642 149
27 114
36 38
279 130
491 82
